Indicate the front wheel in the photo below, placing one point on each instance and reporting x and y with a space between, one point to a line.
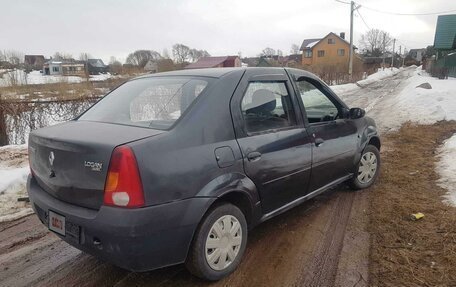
219 243
367 170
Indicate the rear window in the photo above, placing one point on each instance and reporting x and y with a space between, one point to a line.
149 102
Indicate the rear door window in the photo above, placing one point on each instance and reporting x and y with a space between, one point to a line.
266 106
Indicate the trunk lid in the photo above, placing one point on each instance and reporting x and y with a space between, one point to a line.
70 161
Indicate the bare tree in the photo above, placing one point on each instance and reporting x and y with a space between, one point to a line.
294 49
181 53
85 56
376 42
62 56
268 52
15 58
141 57
195 54
386 41
115 66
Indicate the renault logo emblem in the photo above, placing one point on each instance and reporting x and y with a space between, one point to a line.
51 158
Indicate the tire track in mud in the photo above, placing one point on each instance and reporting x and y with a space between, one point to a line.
322 270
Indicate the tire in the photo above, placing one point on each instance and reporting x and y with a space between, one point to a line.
211 232
197 262
360 181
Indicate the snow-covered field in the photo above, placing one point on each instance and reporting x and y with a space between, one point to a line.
37 78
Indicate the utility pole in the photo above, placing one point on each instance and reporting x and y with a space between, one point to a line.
350 63
353 7
403 58
383 51
392 58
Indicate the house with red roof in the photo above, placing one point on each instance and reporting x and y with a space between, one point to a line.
215 62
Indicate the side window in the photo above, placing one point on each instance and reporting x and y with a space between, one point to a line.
267 106
319 107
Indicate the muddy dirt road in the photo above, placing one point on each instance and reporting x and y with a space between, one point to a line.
299 246
320 243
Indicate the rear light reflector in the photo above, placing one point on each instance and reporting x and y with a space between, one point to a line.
123 185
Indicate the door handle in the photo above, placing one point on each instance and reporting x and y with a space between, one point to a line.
319 142
253 156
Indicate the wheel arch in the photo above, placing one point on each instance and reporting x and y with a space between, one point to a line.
237 189
375 141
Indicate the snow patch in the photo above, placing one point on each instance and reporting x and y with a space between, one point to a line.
14 171
20 77
377 76
345 88
447 169
311 44
423 106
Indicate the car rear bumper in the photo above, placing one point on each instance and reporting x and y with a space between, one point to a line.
139 239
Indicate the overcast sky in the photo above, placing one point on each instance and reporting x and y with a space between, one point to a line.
107 28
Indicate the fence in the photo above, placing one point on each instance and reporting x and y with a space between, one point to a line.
442 68
19 117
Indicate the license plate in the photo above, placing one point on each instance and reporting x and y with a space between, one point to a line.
57 223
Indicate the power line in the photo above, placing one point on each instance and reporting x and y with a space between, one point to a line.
362 18
343 2
408 14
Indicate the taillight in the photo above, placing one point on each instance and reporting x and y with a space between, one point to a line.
123 184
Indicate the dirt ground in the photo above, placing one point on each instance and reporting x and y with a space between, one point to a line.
406 252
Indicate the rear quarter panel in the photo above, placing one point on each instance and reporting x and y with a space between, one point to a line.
178 164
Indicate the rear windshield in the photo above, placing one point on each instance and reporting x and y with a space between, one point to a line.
149 102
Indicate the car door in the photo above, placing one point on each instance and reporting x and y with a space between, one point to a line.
276 146
334 136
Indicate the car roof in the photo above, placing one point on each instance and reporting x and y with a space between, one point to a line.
220 72
208 72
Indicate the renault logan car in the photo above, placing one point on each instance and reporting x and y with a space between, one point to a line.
177 167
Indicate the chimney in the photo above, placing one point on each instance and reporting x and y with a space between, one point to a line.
342 35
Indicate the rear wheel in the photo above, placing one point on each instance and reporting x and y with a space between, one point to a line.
219 243
368 168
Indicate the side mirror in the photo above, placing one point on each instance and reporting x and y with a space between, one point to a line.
356 113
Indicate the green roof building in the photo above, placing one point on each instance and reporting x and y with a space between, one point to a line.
445 33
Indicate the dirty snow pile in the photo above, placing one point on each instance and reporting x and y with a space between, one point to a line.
14 170
20 77
447 169
377 76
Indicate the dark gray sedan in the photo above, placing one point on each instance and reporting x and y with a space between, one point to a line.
176 167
